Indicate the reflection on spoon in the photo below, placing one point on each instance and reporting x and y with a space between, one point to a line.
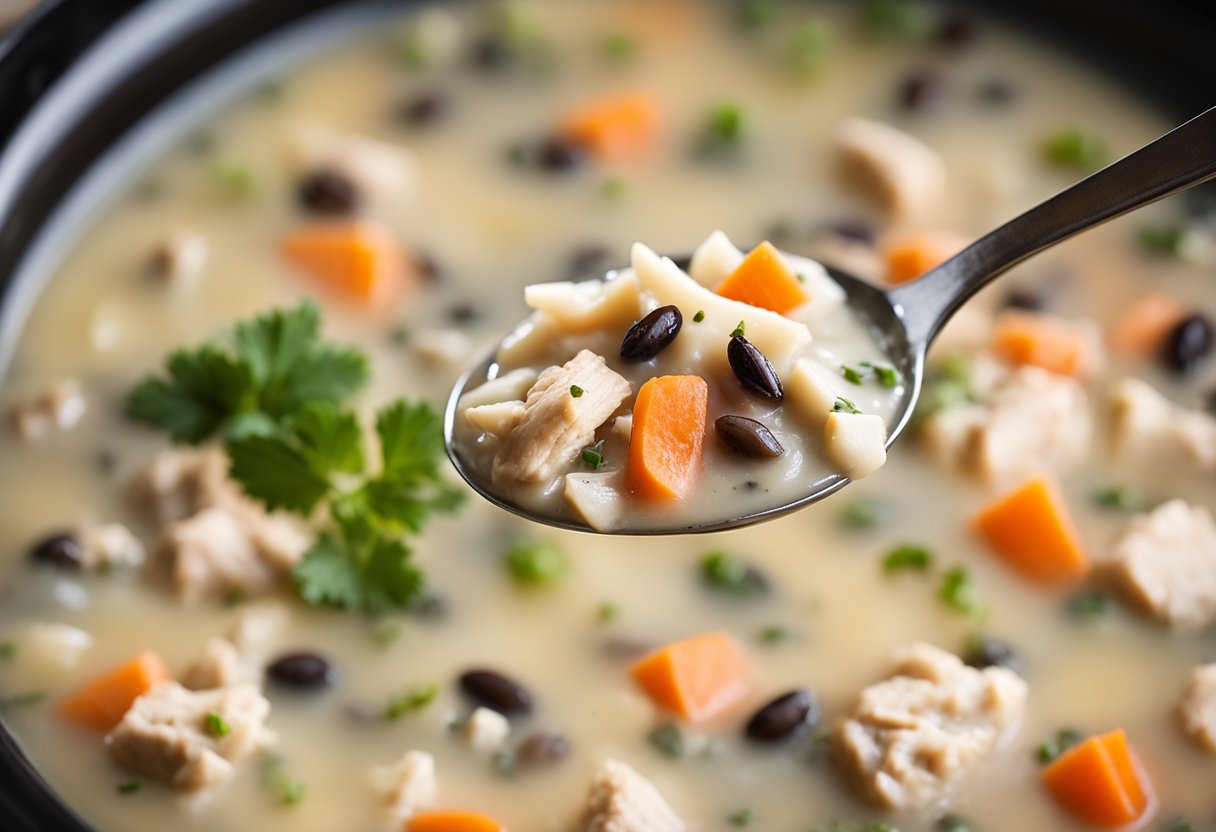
606 484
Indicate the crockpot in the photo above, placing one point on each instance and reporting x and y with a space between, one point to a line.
89 88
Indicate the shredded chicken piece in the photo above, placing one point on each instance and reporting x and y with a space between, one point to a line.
172 734
912 736
907 178
621 800
1165 561
1198 707
408 784
557 424
1148 427
58 407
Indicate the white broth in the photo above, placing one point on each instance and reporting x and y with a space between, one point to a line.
831 615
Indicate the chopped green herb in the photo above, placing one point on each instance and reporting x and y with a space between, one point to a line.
594 455
233 598
576 391
808 47
608 612
801 277
700 316
843 405
1120 498
619 47
669 739
754 15
898 18
951 823
217 726
1074 148
852 375
8 649
723 132
275 394
286 789
235 178
505 765
1179 825
388 631
411 701
21 700
1168 239
743 817
1087 604
958 591
865 514
613 188
739 330
908 556
128 787
536 563
728 573
1057 745
774 634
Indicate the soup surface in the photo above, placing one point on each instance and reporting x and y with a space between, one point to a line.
462 175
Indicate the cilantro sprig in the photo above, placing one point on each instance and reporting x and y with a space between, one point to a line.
276 395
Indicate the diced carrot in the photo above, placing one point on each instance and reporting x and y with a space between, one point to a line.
1056 345
361 260
452 820
1032 530
764 279
102 702
696 678
1101 781
667 437
1143 328
613 128
908 256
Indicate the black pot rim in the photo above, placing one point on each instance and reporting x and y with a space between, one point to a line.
59 70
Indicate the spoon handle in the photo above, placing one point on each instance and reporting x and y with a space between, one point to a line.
1183 157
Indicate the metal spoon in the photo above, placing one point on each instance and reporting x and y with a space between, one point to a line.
907 318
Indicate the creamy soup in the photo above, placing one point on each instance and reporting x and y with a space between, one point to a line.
410 184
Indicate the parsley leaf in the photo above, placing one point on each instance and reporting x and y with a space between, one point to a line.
203 390
330 439
411 441
271 470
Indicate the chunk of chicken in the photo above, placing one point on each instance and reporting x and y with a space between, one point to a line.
904 175
384 171
105 545
1198 707
214 539
218 667
1029 420
58 407
1148 427
173 735
1165 561
557 424
621 800
179 260
912 736
408 784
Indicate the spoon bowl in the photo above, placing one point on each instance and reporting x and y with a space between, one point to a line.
904 320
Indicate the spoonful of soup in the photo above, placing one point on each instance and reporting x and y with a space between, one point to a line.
726 388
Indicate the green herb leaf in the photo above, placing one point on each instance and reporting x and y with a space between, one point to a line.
699 316
330 439
128 787
669 739
728 573
958 591
217 726
1074 148
852 375
411 701
1087 604
8 649
270 469
619 47
774 634
594 455
1168 240
951 823
843 405
753 15
505 764
908 557
613 188
235 178
411 441
536 563
608 612
723 132
288 790
739 330
1120 498
576 391
204 389
21 700
865 514
887 375
809 44
743 817
1057 745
